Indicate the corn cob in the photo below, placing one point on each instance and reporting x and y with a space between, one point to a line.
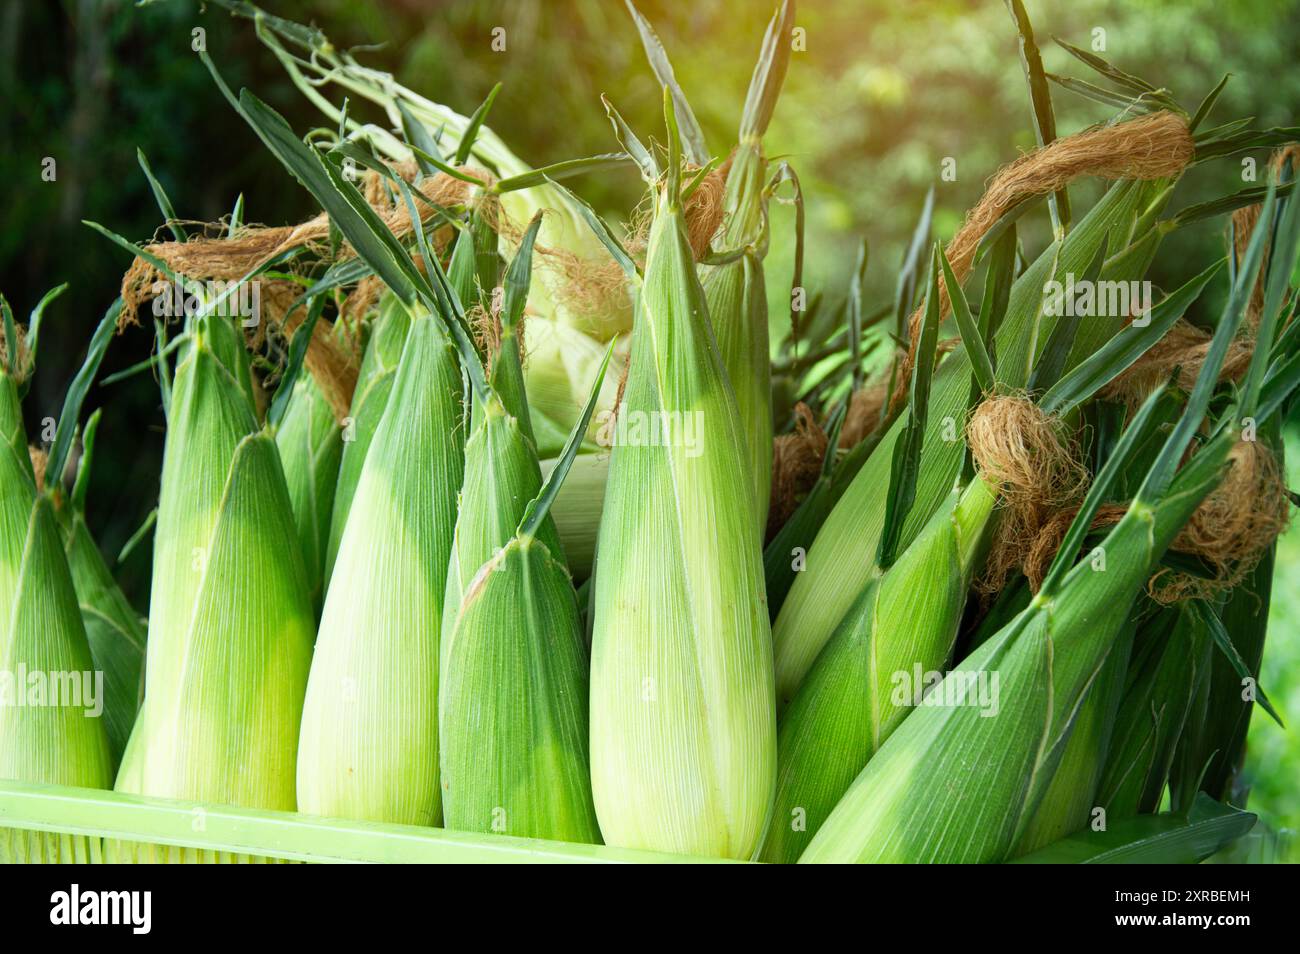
683 728
115 631
43 635
874 668
502 473
310 444
369 746
231 623
1071 796
374 383
513 704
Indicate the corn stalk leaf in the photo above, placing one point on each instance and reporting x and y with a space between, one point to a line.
476 121
561 170
1219 634
1245 141
65 430
540 506
160 196
603 233
1152 839
907 453
37 318
905 286
1121 351
769 74
297 352
417 134
697 151
981 363
1106 68
854 311
1142 103
1213 208
1040 97
633 146
1136 433
82 482
1056 353
1212 97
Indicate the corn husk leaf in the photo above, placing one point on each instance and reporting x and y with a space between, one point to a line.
310 443
231 622
513 704
369 746
374 383
683 723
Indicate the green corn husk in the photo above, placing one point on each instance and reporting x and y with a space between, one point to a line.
735 290
892 644
840 560
502 473
948 786
374 383
311 447
513 703
864 684
42 634
231 622
1220 748
560 363
577 509
786 553
115 631
1072 794
1171 661
951 785
369 747
683 744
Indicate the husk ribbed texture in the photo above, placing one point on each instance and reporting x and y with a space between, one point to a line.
514 703
383 351
952 785
231 622
369 745
683 723
904 624
310 444
115 632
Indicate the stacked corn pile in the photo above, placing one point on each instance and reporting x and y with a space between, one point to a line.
994 597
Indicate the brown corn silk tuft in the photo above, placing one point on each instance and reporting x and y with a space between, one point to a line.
1030 458
864 412
1155 146
39 461
1183 348
796 463
231 257
1229 532
602 287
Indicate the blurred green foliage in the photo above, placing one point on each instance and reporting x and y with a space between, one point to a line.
881 95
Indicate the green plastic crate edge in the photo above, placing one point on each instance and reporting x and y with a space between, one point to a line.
97 814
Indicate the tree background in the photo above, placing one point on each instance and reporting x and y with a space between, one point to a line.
882 94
